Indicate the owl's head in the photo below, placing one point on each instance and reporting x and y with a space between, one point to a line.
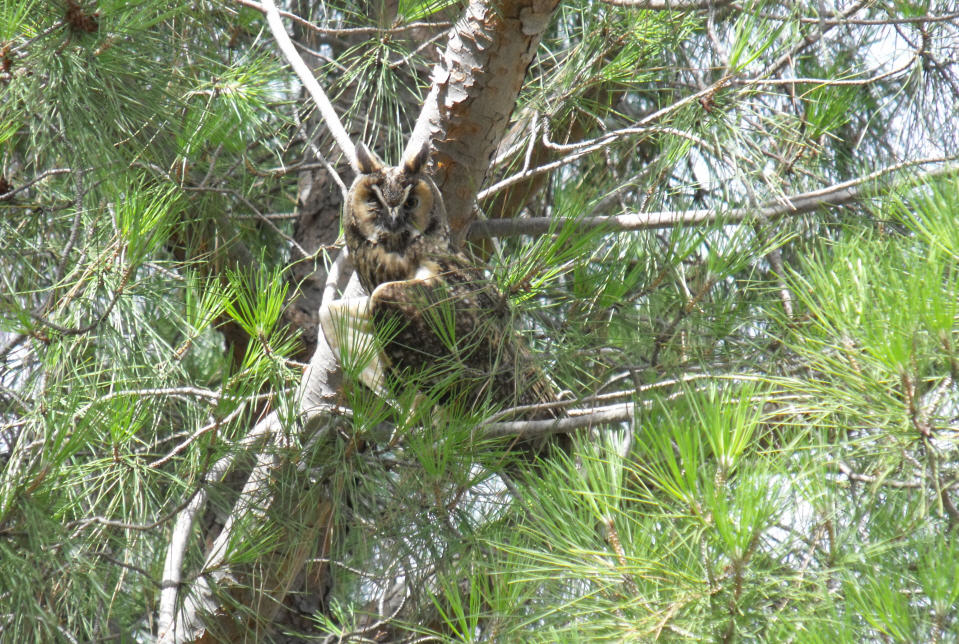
391 206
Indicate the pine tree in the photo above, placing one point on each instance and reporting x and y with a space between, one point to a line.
727 229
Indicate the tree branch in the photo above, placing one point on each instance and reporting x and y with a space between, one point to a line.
831 19
834 195
583 418
40 177
584 148
330 117
176 619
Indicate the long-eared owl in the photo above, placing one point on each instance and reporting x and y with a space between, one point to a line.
431 315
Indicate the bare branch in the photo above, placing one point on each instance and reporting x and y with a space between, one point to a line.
174 624
855 476
661 384
583 148
40 177
116 562
842 21
834 195
14 342
43 34
115 297
583 418
348 31
330 117
876 77
123 525
172 567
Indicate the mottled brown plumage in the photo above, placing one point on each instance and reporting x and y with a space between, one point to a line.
436 318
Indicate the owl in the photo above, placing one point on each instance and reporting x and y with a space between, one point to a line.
432 317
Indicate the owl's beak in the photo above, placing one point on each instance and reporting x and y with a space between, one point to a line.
395 221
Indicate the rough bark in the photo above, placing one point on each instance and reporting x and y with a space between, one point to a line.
318 204
474 89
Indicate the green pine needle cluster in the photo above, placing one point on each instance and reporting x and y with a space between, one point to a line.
786 463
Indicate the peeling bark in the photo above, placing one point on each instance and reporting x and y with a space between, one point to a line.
475 87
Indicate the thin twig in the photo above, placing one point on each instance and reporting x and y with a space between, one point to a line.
206 429
330 117
404 61
46 32
582 149
319 155
83 330
256 214
831 81
866 478
74 229
116 562
123 525
348 31
833 22
40 177
600 142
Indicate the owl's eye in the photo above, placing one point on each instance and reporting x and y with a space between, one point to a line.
411 202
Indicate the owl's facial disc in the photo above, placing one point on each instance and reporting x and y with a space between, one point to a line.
394 216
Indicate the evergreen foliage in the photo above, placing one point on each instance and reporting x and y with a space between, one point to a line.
789 467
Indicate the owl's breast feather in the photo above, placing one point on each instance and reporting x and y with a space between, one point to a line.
377 265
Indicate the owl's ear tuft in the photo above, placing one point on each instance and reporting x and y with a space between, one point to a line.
367 161
415 163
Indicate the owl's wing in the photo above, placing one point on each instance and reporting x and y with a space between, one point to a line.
446 315
408 315
451 320
348 327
